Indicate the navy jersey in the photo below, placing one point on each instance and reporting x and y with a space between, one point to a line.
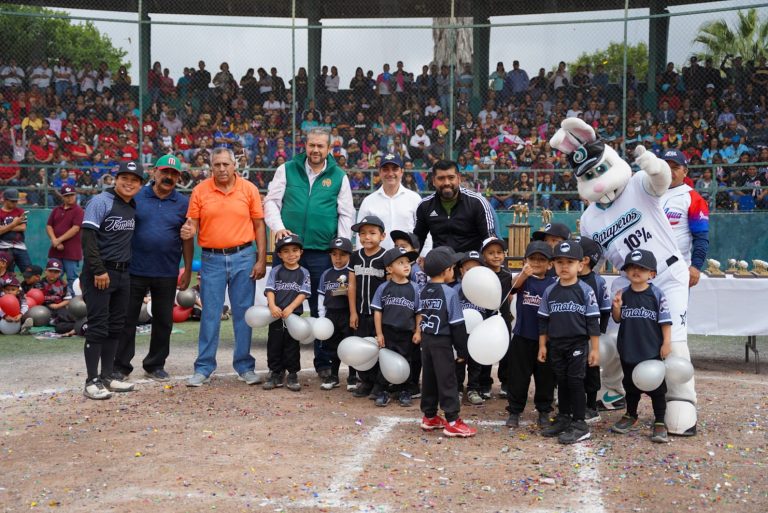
398 304
418 276
569 312
527 307
466 303
603 295
333 287
114 220
369 274
440 309
642 314
287 284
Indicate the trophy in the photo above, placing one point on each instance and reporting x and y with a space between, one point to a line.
760 268
731 266
713 269
519 236
742 270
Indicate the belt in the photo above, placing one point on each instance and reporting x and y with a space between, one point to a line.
228 251
116 266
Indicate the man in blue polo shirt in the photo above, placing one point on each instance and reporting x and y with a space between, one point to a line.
157 248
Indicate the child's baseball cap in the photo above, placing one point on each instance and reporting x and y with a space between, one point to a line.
393 254
553 229
6 257
411 238
341 243
472 256
32 270
568 249
294 240
493 240
539 247
591 249
440 259
11 281
54 264
372 220
641 258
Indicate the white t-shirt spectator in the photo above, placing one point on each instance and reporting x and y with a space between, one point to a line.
274 105
41 77
432 110
423 138
87 80
332 83
104 82
62 74
13 76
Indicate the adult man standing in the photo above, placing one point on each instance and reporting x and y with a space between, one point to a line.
455 216
225 213
157 247
13 224
688 213
310 196
63 229
107 231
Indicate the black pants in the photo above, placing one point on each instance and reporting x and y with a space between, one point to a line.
632 394
283 353
399 341
106 317
569 365
438 380
522 364
592 385
366 328
413 379
163 291
478 376
326 356
461 375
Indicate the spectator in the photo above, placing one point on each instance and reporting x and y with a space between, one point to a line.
13 225
63 229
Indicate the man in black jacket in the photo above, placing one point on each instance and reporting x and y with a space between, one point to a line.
456 217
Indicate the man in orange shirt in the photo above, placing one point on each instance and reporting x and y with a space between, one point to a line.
226 214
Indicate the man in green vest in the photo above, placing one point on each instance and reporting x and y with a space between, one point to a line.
310 196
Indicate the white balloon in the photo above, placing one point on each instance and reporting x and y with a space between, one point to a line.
323 329
679 370
143 314
9 328
310 339
482 287
372 340
680 416
298 327
149 308
489 340
472 319
76 287
369 364
258 316
394 367
648 375
354 351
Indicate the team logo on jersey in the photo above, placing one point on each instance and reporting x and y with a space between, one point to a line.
674 216
327 182
625 221
118 224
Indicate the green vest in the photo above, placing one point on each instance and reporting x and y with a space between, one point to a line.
312 215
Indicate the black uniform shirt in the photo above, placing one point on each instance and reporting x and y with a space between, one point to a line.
369 274
287 284
642 314
398 304
569 312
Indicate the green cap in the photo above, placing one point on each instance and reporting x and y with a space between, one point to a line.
168 161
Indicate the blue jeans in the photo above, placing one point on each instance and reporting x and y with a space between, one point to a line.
21 259
316 262
218 272
70 269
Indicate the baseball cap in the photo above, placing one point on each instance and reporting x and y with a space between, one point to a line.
472 256
412 239
287 241
591 249
391 158
675 156
32 270
493 240
440 259
341 243
568 249
372 220
710 86
586 157
131 167
67 190
168 162
393 254
6 257
554 229
540 247
11 281
11 195
641 258
54 264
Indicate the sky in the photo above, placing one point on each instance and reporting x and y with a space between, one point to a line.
177 46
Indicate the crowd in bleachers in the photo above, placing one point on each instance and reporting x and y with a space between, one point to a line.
71 123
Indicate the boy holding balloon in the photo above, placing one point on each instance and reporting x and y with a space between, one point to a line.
471 369
287 287
645 333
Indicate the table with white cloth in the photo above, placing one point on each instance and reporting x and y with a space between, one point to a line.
728 306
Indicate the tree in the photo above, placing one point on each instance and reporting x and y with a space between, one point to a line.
31 33
749 38
613 60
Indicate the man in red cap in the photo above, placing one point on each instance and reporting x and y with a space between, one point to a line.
63 229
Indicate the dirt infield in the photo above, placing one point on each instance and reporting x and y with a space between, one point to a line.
230 447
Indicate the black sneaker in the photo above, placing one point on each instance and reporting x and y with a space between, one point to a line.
405 399
485 393
578 431
293 382
591 415
561 423
352 383
329 383
544 419
362 390
619 404
158 375
415 391
503 391
275 380
513 420
382 399
376 391
118 375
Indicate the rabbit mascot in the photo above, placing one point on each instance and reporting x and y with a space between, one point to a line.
625 214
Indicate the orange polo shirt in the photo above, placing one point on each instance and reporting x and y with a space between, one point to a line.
226 219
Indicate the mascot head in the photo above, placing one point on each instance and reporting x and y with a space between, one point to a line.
600 173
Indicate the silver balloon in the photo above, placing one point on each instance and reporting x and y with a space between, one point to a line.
144 314
40 315
77 308
394 367
354 351
186 298
9 328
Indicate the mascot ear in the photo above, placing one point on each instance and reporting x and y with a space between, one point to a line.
573 133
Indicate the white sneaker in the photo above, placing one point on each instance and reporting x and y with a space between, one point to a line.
115 385
94 389
26 326
250 378
197 380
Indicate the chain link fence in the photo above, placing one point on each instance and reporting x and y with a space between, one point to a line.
483 83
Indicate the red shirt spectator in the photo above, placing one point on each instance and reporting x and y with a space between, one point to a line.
63 227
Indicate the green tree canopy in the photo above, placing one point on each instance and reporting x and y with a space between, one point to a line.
613 60
29 33
749 38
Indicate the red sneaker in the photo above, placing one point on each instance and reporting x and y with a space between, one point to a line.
436 422
459 429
